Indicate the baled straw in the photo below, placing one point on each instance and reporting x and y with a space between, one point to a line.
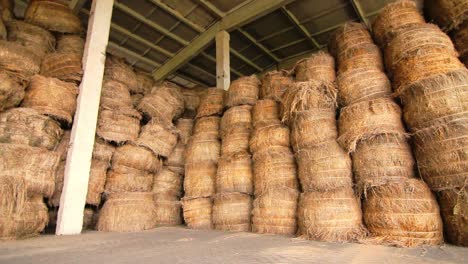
441 154
449 14
52 97
236 140
453 208
168 211
64 66
191 100
185 127
89 219
97 181
393 17
319 66
274 167
11 91
237 116
231 212
3 31
28 127
159 138
201 148
127 212
115 95
118 125
176 161
125 179
435 100
310 128
460 38
367 119
62 147
136 157
333 216
136 99
197 212
67 43
274 212
37 39
235 174
145 82
117 69
348 36
362 84
274 84
19 60
53 16
163 104
324 167
200 179
363 56
269 135
211 103
265 112
103 150
403 214
381 160
243 91
208 126
167 183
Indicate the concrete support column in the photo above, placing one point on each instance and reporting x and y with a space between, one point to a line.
223 68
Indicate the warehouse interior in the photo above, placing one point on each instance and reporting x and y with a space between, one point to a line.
263 131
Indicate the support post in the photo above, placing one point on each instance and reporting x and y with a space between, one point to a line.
75 187
223 73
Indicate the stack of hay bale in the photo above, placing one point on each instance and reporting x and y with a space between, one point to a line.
328 210
398 209
201 161
234 179
432 84
145 83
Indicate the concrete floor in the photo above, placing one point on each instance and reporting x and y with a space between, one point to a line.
180 245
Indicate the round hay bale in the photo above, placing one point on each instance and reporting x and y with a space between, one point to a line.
197 212
168 211
52 97
453 208
410 40
235 174
235 141
441 152
381 160
26 126
269 136
19 60
122 179
136 99
145 82
53 16
362 84
211 103
234 117
176 160
163 104
393 17
167 183
62 147
97 181
367 119
348 36
207 126
363 56
127 212
115 95
200 179
274 167
102 150
243 91
435 100
265 112
118 125
319 66
333 216
64 66
185 127
274 84
159 138
449 14
460 38
231 212
310 128
36 39
324 167
136 157
117 69
11 91
191 99
403 214
274 212
201 148
67 43
28 220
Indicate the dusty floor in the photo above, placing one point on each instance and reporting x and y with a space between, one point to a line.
180 245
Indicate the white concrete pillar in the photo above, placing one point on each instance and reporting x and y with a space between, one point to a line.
223 68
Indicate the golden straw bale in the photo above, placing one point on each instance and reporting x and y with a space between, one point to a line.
236 140
333 216
89 219
159 138
234 117
145 82
164 103
460 38
136 99
274 84
115 95
231 212
67 43
97 181
185 127
201 148
191 99
324 167
310 128
235 174
403 214
62 147
269 135
363 56
27 126
362 84
126 179
393 17
274 212
117 69
35 38
127 212
243 91
208 126
449 14
274 167
176 161
18 60
367 119
53 16
118 125
136 157
200 179
52 97
64 66
11 91
168 211
103 150
436 100
197 212
211 103
348 36
167 183
453 208
441 153
319 66
265 112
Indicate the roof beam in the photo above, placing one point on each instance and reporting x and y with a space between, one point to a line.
213 9
300 27
362 17
177 15
211 58
76 5
258 44
246 60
